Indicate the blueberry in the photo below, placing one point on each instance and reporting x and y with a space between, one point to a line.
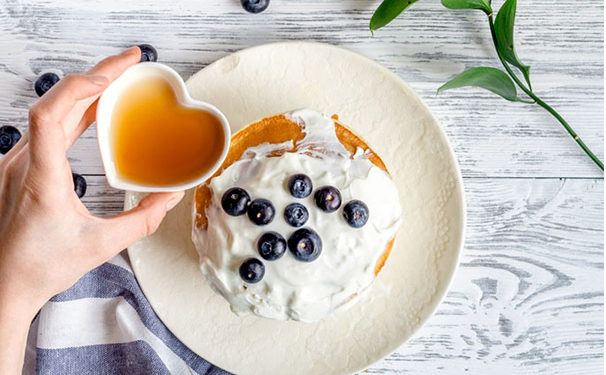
252 270
235 201
9 136
271 246
328 198
300 185
255 6
296 214
148 53
79 185
261 212
305 245
45 82
356 213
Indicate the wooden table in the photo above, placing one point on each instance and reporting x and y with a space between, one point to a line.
529 295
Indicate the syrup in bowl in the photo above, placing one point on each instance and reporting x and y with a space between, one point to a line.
157 141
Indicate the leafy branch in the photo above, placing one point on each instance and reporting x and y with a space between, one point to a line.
491 79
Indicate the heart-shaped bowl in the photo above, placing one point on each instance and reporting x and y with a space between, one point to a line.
105 112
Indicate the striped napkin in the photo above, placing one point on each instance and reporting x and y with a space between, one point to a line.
103 325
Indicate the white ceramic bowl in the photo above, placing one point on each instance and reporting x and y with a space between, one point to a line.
105 110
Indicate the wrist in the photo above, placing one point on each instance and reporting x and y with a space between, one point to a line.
18 308
15 320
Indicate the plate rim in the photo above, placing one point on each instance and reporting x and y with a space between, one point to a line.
441 294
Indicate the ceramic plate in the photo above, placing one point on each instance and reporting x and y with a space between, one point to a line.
375 103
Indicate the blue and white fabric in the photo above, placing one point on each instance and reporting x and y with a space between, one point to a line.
104 325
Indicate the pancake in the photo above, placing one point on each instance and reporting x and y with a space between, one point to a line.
279 129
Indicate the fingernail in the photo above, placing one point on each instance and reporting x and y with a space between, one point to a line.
130 51
98 79
174 200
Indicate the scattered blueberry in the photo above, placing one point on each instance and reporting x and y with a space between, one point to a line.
9 136
261 211
252 270
148 53
300 186
328 198
356 213
305 245
235 201
79 185
255 6
296 214
45 82
271 246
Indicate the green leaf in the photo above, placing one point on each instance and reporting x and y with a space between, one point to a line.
504 25
468 4
388 11
490 79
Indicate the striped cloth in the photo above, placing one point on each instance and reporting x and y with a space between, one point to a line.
103 325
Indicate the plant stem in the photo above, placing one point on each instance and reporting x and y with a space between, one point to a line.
540 102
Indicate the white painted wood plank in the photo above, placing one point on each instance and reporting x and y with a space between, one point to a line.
528 298
563 42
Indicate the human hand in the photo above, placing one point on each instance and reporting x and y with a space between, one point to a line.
48 237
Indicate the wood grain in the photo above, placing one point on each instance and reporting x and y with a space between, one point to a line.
529 295
563 44
528 298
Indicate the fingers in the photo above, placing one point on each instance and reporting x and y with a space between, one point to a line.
85 112
46 117
127 228
113 66
87 119
60 100
64 106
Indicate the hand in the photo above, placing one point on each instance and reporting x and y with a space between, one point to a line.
48 237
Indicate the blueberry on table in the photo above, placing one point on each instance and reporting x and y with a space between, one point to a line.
261 211
328 198
252 270
79 185
9 136
296 214
305 244
356 213
45 82
235 201
148 53
271 246
300 186
255 6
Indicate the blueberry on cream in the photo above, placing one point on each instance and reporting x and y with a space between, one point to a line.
300 185
271 246
296 215
261 211
356 213
328 199
305 244
235 201
252 270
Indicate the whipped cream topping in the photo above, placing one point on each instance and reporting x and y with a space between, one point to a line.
292 289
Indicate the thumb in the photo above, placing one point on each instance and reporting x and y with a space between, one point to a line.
129 227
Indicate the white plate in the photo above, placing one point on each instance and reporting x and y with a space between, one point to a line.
276 78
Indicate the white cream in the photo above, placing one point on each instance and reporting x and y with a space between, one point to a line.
292 289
